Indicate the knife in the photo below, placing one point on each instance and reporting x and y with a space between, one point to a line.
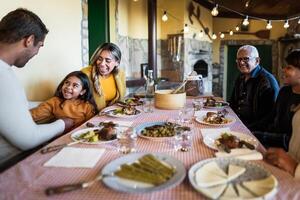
57 147
71 187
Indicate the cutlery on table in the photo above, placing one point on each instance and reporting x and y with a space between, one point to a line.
71 187
58 147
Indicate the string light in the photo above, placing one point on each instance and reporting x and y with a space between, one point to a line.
222 35
201 34
299 21
237 28
230 32
214 36
165 16
186 28
269 25
214 11
246 21
286 24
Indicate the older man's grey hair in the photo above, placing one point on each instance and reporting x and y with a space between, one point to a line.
251 49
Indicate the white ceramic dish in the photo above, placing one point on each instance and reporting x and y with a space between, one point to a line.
200 119
253 172
141 127
124 185
110 113
76 134
209 139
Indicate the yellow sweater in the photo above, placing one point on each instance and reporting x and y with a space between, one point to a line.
77 110
120 83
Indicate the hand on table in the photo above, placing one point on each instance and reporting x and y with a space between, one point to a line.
280 158
69 123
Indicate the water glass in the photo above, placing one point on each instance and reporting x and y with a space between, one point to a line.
186 115
148 105
183 140
126 137
198 104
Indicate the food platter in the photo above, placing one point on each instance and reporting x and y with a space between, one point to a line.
113 113
210 139
218 104
141 127
254 183
76 136
201 119
129 186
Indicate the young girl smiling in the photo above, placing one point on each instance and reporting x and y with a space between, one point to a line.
72 99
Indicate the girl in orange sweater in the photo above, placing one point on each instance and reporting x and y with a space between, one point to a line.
73 99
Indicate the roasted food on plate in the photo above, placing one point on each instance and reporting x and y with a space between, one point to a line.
164 130
101 134
211 102
133 101
126 110
228 141
217 117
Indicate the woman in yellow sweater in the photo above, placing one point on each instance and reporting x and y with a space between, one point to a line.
106 79
73 99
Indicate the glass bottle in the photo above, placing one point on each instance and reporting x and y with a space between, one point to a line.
149 92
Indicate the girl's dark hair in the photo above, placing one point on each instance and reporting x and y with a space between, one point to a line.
19 24
294 58
112 48
87 96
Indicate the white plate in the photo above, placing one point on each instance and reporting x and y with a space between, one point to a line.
141 127
109 112
76 134
123 185
253 172
210 138
224 104
200 118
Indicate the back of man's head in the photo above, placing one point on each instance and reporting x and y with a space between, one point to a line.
294 58
251 49
19 24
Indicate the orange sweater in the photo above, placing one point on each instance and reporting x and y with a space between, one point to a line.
77 110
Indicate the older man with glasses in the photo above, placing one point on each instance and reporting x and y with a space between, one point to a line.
255 90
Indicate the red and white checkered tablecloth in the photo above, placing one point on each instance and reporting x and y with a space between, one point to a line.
29 178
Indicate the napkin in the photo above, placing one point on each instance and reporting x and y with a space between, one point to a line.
241 153
72 157
205 131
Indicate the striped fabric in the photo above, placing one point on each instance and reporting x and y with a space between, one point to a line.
29 178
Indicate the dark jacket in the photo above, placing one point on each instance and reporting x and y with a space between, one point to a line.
254 99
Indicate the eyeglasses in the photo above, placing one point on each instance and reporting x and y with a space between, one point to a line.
244 59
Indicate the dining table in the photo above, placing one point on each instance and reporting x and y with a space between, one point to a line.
29 178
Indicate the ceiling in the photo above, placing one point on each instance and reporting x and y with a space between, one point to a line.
265 9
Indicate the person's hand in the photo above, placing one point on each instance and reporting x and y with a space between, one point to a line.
280 158
69 123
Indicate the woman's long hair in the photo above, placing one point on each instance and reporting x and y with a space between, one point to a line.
87 96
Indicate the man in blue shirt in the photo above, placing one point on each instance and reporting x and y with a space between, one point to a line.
255 90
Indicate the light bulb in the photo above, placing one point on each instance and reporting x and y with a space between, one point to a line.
186 28
286 24
165 17
237 28
246 21
299 21
222 35
230 32
214 11
269 25
201 34
214 36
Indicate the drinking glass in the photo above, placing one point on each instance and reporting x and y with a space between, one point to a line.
126 137
148 105
183 139
198 104
186 115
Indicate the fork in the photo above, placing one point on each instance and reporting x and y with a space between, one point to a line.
71 187
58 147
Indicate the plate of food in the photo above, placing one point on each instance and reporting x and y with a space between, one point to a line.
229 178
225 141
95 135
219 118
131 101
158 131
123 112
213 103
143 172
